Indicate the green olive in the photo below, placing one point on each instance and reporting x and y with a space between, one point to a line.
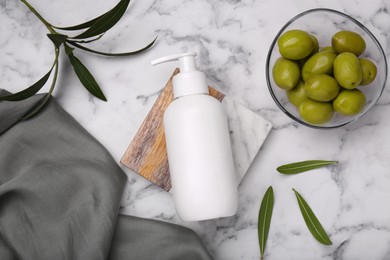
349 102
347 41
285 73
321 88
316 46
319 63
327 48
295 44
315 112
297 95
347 70
368 71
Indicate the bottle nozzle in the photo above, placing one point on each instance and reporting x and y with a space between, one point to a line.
187 61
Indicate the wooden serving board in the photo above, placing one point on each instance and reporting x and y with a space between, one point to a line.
147 156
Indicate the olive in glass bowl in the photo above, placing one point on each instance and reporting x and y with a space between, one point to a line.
313 100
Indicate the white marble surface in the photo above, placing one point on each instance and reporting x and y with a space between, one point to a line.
248 132
232 39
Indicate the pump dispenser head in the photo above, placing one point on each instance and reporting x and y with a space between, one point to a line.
187 61
189 81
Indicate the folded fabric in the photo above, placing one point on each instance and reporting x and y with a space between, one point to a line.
60 191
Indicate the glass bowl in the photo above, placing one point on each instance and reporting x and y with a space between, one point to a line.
324 23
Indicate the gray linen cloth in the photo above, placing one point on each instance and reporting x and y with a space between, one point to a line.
60 191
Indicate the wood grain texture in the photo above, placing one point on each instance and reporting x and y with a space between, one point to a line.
146 154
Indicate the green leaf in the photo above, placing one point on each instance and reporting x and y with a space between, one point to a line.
82 25
88 41
304 166
106 22
86 77
28 92
68 49
112 54
312 223
36 109
57 39
264 220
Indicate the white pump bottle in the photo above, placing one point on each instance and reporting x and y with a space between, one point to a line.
199 151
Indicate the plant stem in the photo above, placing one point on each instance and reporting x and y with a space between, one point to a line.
48 25
53 83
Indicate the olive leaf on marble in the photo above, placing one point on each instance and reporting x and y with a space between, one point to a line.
28 92
312 223
298 167
85 76
46 98
82 25
106 21
95 29
75 44
264 220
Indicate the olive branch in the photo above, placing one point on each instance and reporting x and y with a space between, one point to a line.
93 30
